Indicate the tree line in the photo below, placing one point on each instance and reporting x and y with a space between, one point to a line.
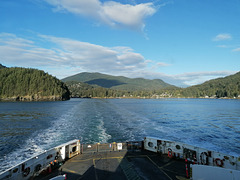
83 90
228 87
30 84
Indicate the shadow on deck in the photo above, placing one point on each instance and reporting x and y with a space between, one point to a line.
97 162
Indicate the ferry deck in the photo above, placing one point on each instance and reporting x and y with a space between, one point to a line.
152 158
102 161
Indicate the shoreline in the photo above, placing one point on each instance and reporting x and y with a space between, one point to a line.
150 98
52 98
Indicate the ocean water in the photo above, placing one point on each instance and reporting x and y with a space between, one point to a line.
28 128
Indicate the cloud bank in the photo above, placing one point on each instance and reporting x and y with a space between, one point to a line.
68 57
111 13
222 37
71 55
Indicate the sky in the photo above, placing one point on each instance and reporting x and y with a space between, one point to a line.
182 42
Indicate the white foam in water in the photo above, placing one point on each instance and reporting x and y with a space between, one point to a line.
105 120
36 144
103 136
29 149
133 121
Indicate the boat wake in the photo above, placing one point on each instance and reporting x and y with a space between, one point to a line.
114 120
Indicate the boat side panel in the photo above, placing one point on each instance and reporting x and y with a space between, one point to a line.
193 154
209 172
35 165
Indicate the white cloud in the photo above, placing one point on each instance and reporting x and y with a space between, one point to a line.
222 37
69 53
91 57
236 50
194 78
82 7
127 15
111 13
13 40
181 80
222 46
68 57
162 64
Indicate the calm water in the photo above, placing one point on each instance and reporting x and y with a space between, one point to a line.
28 128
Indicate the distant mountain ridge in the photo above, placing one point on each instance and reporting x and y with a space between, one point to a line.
102 85
35 85
118 82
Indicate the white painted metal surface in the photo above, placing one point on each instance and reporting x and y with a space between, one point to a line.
201 172
194 155
60 177
119 146
202 160
35 165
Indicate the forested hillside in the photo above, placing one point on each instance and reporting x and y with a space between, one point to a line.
84 90
227 87
30 85
25 84
119 82
100 85
1 66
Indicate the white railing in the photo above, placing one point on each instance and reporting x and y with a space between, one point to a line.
44 161
194 154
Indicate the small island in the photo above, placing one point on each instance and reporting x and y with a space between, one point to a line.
26 84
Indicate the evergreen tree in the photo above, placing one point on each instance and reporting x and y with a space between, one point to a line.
31 84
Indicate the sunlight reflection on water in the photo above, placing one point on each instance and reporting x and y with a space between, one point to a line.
27 129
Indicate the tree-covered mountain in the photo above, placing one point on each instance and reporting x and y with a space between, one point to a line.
101 85
25 84
34 85
227 87
1 66
84 90
118 82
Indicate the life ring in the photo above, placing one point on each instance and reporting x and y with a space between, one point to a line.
204 161
170 152
26 172
219 162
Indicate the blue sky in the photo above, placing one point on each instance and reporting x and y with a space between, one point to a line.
183 42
